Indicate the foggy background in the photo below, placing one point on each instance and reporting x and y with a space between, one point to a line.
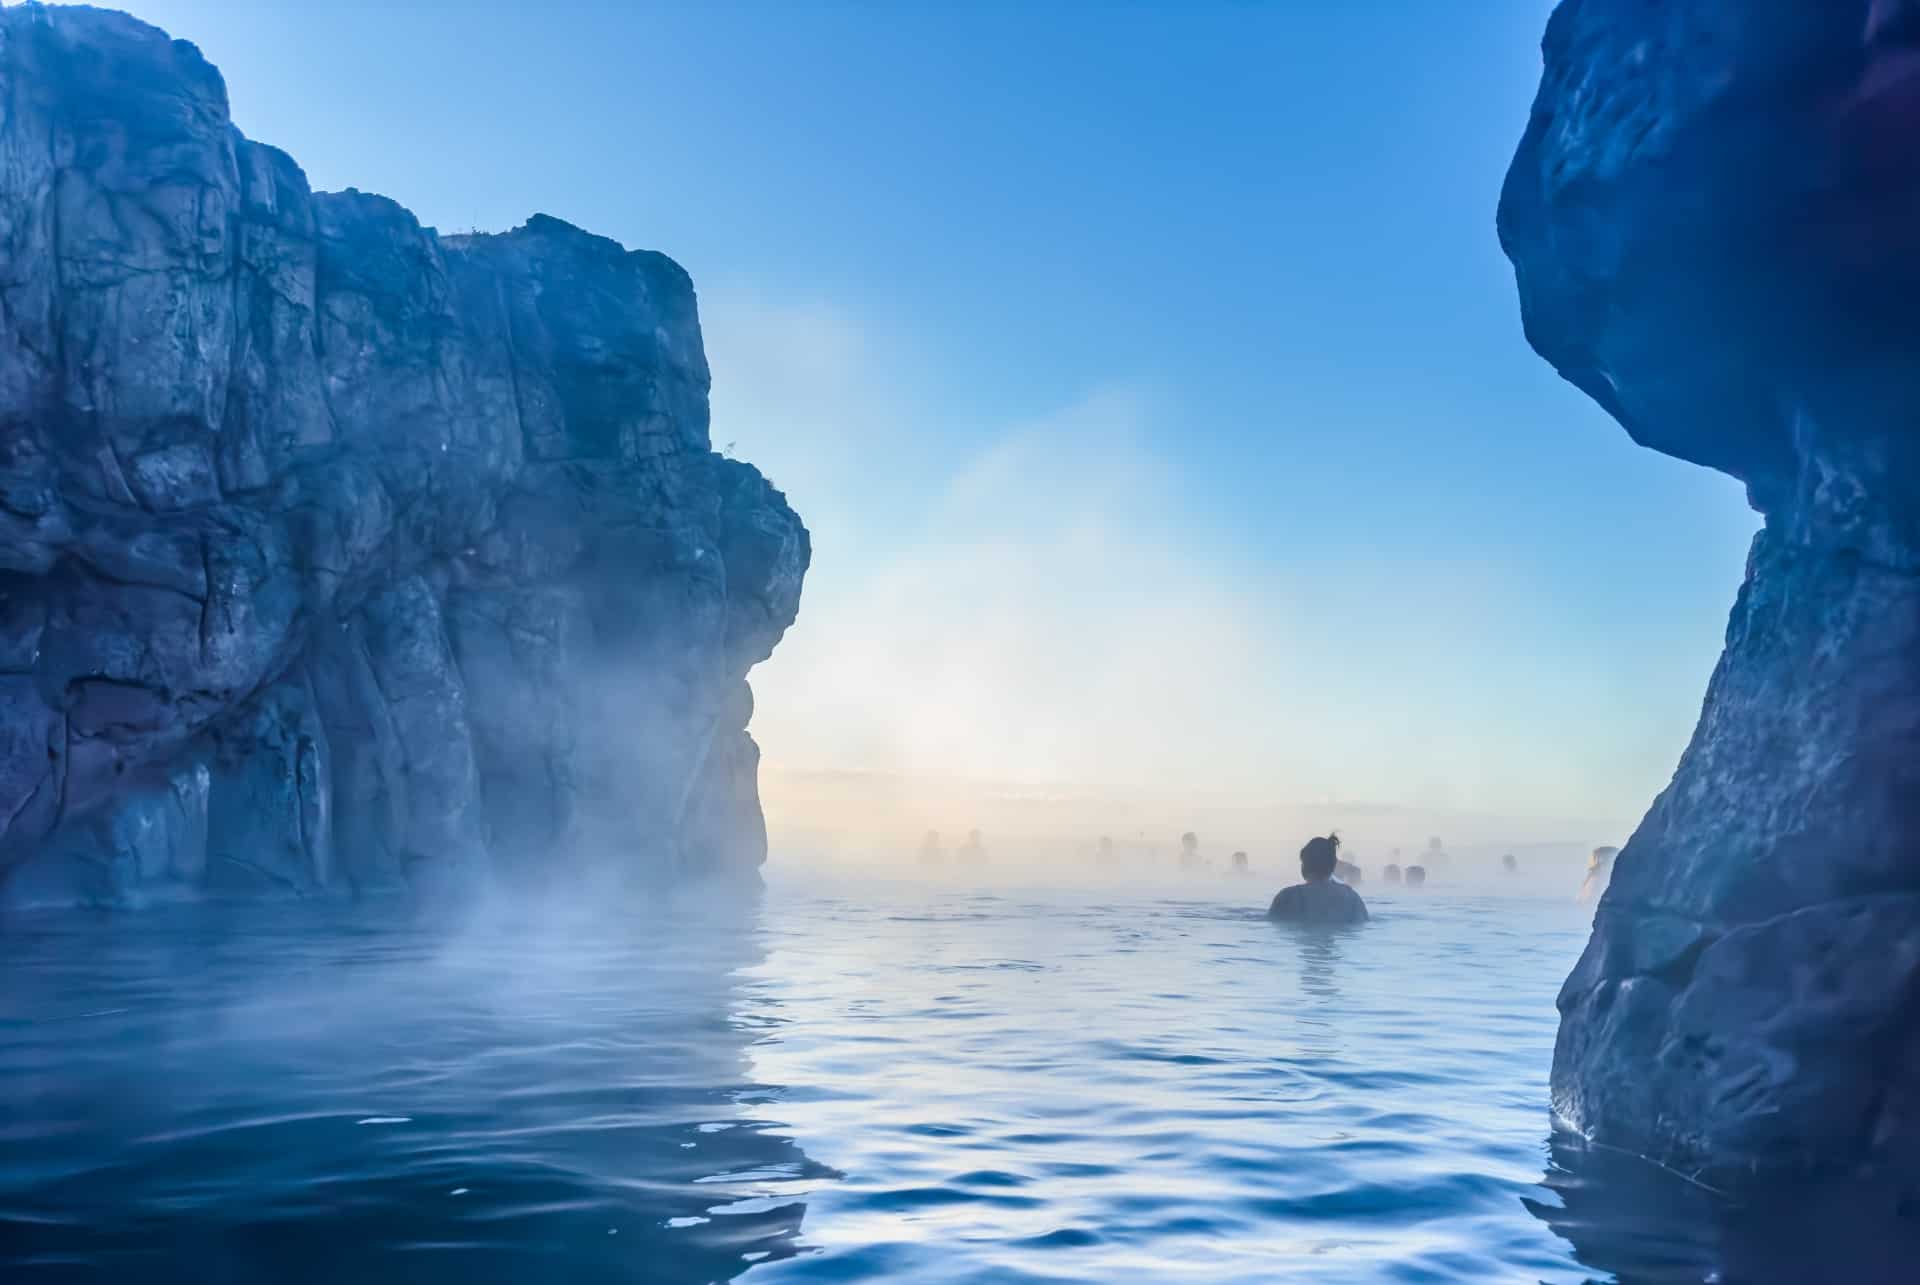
1038 639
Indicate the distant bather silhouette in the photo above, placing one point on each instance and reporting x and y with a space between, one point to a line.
1391 874
931 853
1599 873
1416 876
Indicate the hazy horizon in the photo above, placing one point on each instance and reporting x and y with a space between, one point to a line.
865 820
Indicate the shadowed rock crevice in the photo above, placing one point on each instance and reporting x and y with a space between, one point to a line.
1714 218
337 556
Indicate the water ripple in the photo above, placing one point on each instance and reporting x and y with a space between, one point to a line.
884 1084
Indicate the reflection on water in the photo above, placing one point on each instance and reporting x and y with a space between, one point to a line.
989 1086
1130 1085
317 1096
1320 997
1651 1227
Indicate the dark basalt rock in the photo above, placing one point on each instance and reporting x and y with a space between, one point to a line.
1714 217
338 556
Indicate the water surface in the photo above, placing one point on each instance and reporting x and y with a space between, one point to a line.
842 1081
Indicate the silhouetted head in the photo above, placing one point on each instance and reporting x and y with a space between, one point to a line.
1319 857
1391 873
1239 861
1416 876
1189 840
1511 862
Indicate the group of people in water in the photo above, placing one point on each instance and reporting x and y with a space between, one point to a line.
1323 898
973 852
1346 871
1325 894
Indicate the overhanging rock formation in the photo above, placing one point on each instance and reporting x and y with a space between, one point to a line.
1715 220
337 555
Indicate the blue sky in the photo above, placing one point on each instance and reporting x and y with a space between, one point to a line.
1149 373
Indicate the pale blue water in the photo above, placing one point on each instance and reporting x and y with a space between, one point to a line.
840 1082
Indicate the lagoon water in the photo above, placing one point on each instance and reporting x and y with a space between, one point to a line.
842 1081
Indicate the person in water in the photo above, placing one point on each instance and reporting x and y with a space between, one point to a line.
1320 899
1189 851
1510 863
1240 863
1599 873
931 853
1348 872
1104 855
1391 873
973 852
1416 876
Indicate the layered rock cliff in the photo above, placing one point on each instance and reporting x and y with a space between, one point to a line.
337 555
1715 220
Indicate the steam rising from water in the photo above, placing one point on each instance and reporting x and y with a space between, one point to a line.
1031 627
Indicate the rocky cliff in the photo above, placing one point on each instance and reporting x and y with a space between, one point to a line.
337 555
1715 220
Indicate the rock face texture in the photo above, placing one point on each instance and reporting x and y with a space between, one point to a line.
1715 220
336 555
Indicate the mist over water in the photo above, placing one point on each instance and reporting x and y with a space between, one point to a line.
315 1094
850 1077
876 823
